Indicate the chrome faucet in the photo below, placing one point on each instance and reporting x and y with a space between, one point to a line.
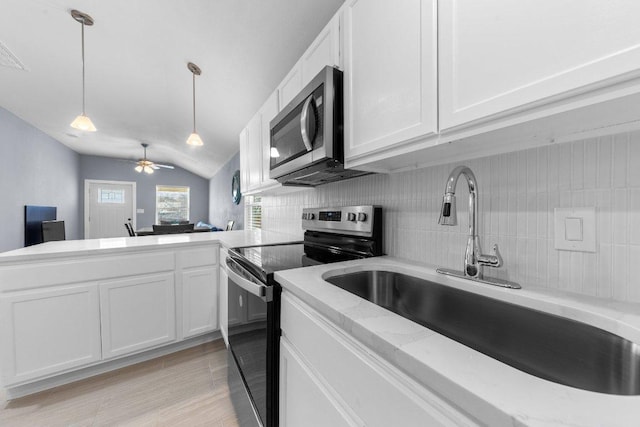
474 260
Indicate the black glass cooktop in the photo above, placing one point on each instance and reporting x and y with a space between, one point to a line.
263 261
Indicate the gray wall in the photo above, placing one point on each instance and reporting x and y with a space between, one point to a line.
221 208
109 169
35 169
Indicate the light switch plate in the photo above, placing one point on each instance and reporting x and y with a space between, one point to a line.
575 229
139 210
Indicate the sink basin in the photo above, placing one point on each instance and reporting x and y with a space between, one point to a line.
545 345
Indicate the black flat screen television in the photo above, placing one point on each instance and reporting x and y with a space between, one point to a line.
33 217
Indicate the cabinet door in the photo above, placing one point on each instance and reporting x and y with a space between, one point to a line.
244 161
254 154
291 85
268 111
303 400
390 74
224 286
48 331
325 50
137 313
509 54
199 301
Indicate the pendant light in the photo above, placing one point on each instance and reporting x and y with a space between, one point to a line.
82 122
194 138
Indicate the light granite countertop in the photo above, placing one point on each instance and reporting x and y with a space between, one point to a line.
492 392
69 248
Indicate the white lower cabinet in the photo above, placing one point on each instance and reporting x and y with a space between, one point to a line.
223 284
137 313
303 399
199 301
339 371
46 331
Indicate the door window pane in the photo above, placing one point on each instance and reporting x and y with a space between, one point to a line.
110 196
172 204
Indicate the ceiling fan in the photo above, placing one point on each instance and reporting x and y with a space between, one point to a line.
147 166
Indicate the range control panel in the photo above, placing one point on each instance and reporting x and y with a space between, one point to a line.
347 219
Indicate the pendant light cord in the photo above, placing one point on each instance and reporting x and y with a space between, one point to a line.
194 102
83 96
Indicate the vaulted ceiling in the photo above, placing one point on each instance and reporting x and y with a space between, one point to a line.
138 87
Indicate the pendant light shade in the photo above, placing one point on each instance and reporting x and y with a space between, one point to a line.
82 122
194 138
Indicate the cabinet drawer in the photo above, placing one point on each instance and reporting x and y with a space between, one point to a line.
378 393
200 257
81 269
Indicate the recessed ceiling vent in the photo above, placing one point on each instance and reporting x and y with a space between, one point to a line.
8 59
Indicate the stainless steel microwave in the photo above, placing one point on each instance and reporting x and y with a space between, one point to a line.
307 143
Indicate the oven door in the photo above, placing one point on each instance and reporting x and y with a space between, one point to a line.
253 331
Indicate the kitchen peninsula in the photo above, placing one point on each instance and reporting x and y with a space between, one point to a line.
73 309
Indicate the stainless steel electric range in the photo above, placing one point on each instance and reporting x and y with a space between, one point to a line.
331 235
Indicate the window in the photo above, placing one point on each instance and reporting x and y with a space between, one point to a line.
172 204
110 196
253 212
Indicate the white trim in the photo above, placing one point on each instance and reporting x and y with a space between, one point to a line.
88 182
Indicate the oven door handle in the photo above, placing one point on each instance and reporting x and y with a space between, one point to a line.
265 293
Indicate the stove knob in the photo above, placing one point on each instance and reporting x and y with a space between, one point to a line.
351 217
311 216
362 217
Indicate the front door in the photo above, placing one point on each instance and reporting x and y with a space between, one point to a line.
108 205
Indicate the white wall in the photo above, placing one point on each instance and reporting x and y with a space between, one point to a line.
518 193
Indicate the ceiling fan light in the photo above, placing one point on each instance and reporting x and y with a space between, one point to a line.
138 169
84 123
194 139
148 169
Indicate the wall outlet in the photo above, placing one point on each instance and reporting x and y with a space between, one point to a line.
575 229
139 210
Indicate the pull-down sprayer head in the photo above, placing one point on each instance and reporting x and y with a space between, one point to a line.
448 212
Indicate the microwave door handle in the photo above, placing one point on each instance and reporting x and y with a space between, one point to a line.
258 289
304 123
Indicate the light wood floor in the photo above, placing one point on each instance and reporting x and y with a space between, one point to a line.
188 388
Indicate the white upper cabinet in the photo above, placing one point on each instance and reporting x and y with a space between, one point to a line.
244 160
390 75
325 50
254 158
291 85
506 56
267 113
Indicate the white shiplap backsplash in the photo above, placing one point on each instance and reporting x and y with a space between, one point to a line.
518 193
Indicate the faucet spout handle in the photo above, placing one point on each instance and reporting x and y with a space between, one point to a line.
493 260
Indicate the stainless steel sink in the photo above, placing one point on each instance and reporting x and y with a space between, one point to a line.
547 346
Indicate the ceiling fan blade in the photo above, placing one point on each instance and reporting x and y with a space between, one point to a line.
164 166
